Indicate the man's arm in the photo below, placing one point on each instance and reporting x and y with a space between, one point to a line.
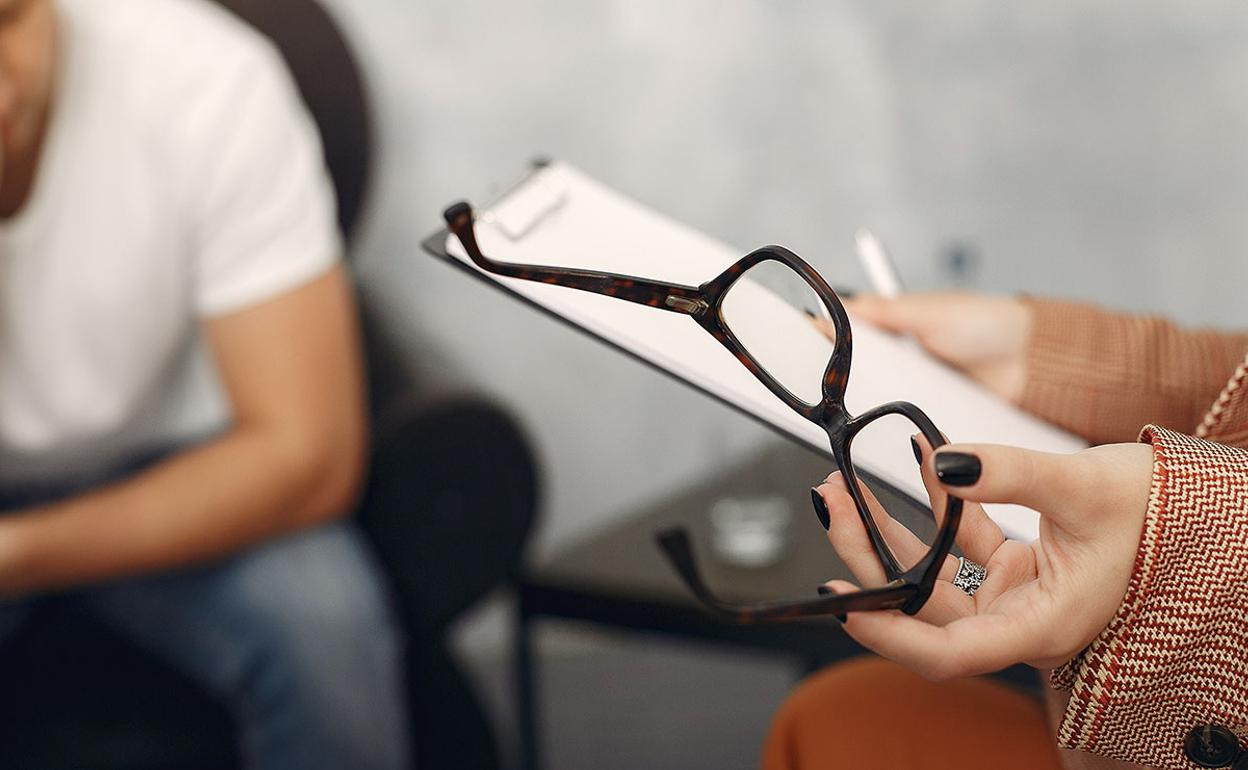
293 457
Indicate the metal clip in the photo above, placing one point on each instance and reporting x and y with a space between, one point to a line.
524 207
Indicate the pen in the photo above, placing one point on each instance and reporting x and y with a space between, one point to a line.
881 271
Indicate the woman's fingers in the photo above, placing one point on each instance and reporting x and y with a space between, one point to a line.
1012 565
970 645
1056 485
945 605
978 535
903 314
849 538
848 533
826 326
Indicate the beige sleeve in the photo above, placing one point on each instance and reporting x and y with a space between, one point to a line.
1102 375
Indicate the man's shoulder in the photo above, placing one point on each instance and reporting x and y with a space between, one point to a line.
157 50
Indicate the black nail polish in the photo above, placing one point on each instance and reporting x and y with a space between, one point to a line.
918 453
957 469
821 508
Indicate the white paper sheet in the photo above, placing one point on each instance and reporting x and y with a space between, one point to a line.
584 224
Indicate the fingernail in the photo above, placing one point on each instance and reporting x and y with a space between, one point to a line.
823 590
918 453
821 508
957 469
809 314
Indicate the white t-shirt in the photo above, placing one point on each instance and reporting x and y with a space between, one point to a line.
181 179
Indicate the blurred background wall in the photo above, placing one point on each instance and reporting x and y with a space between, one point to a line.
1093 150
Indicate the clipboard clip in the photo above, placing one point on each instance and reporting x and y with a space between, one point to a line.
525 205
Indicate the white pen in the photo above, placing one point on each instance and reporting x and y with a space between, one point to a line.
881 272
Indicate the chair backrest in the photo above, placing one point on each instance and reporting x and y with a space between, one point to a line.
330 82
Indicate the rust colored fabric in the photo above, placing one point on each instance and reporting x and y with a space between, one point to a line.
1227 420
1102 375
1055 705
1175 655
871 714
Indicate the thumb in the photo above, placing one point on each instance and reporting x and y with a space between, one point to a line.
991 473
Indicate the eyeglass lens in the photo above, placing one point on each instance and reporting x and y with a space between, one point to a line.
891 436
780 320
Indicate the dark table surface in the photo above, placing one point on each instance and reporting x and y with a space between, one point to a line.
618 575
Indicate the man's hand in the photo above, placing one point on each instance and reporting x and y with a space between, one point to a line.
1041 603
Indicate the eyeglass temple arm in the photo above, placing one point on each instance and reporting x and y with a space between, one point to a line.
676 547
672 297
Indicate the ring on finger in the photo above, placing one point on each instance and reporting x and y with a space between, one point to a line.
970 576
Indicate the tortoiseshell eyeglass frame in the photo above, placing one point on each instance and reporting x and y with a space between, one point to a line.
907 589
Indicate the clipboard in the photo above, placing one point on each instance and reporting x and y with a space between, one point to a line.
556 211
530 217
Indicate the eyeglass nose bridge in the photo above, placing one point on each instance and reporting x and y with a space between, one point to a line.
833 417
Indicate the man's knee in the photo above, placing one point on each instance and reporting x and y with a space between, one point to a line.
316 606
318 642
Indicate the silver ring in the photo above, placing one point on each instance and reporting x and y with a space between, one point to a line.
970 577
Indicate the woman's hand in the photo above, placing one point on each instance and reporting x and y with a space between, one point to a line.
1041 603
984 336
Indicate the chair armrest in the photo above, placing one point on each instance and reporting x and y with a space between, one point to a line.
449 504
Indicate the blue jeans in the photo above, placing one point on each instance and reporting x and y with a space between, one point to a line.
296 636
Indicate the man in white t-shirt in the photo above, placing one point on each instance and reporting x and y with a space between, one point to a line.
181 408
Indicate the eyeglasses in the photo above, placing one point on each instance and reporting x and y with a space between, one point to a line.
735 308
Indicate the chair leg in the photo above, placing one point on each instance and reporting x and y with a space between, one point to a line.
527 705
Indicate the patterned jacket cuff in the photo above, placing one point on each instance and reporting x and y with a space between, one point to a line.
1173 656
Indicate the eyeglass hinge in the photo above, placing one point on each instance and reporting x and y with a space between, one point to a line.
686 305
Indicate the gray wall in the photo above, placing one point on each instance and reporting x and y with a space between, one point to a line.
1092 150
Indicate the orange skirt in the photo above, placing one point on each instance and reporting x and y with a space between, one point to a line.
871 714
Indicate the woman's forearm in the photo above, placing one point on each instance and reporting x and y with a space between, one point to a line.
1102 375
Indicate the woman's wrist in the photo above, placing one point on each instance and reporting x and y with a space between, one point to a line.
1023 319
1007 375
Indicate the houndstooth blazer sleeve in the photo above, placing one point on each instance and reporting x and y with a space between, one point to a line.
1175 656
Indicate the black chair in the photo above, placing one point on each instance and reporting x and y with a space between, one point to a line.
75 695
